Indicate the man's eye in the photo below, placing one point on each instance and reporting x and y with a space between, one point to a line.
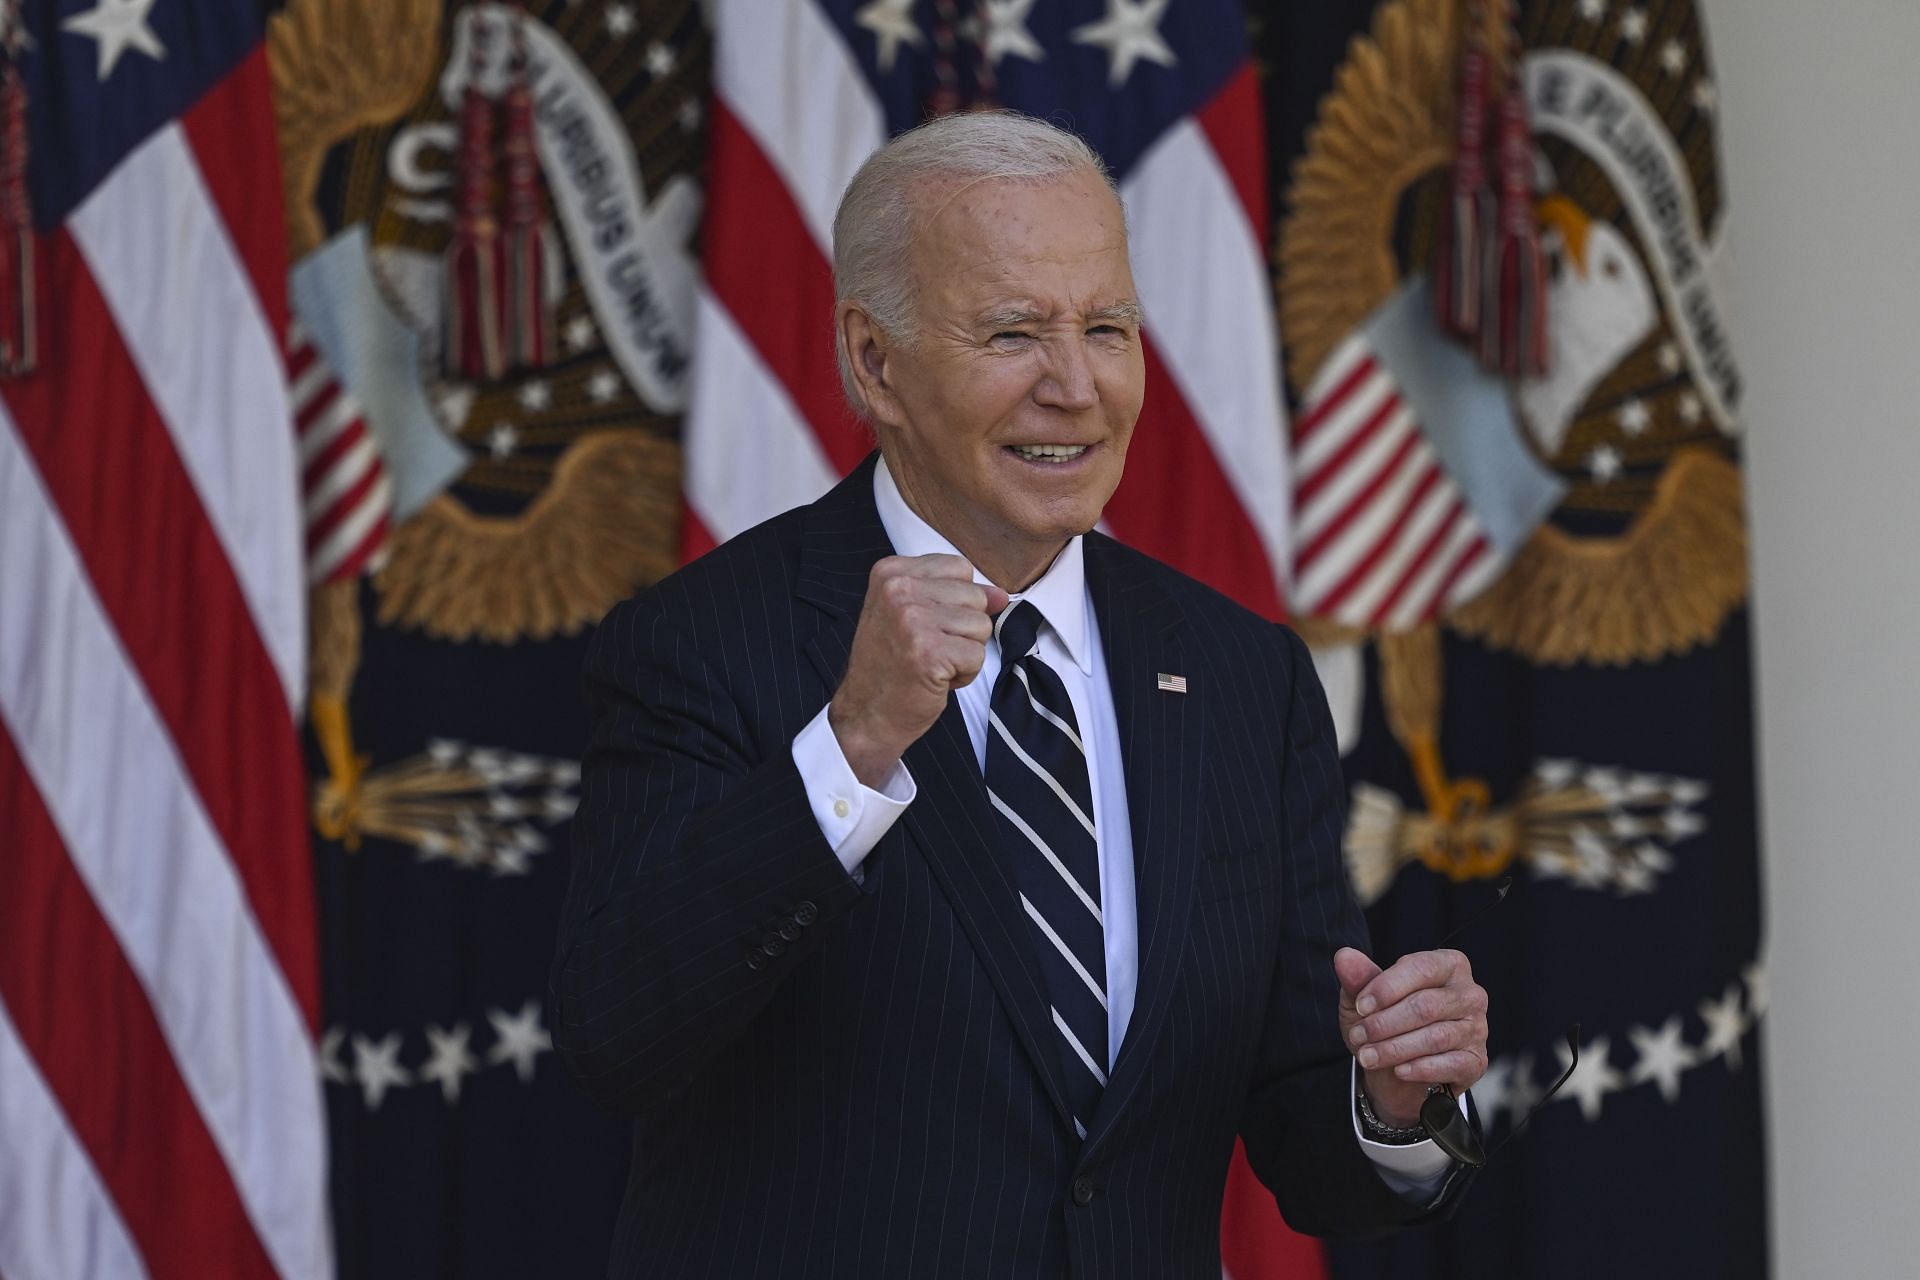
1108 330
1010 335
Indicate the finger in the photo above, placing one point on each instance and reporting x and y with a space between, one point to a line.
960 595
1408 974
1429 1004
996 598
942 565
1461 1068
962 658
1437 1037
969 624
1354 970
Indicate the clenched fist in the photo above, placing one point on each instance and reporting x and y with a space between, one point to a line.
923 632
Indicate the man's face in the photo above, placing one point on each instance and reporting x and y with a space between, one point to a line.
1014 401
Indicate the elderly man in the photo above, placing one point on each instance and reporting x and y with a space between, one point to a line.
953 884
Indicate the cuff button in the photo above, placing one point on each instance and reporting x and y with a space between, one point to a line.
841 808
805 914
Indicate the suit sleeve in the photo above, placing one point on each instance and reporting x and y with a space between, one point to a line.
700 875
1298 1125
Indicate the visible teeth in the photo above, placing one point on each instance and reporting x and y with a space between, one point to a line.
1049 452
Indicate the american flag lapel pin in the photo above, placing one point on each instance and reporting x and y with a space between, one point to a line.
1170 683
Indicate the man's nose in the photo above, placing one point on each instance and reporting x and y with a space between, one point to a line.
1068 383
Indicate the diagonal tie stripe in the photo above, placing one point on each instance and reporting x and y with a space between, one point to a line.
1038 784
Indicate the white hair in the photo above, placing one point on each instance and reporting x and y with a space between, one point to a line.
873 230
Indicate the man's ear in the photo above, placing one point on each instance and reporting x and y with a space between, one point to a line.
871 356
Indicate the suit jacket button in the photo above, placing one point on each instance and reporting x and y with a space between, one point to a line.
805 914
790 931
1083 1191
756 962
773 946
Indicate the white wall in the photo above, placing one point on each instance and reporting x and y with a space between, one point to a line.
1820 107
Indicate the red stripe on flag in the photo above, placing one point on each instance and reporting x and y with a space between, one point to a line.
84 1015
317 403
1387 541
363 554
1309 485
1175 502
695 539
236 141
1467 558
165 581
1359 502
765 268
1428 550
1318 414
331 453
345 505
1236 125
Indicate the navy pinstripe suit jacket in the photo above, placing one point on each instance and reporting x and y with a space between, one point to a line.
880 1097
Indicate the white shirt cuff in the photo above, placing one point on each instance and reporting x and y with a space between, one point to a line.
1416 1171
852 816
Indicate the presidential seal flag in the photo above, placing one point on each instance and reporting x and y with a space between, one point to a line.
160 1112
1521 557
489 216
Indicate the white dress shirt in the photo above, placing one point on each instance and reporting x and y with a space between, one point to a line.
854 817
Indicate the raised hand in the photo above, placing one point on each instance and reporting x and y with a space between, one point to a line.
923 632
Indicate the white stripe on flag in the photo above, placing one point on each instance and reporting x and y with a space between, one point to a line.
749 453
56 1219
171 277
1202 276
158 873
347 537
1354 411
1398 557
351 467
341 412
1360 470
789 77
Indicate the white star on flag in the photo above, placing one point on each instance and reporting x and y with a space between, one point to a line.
1129 33
502 440
1664 1055
619 21
1604 464
1633 26
1594 1078
1673 56
1593 10
1726 1025
1705 95
579 333
332 1070
118 25
536 395
659 60
377 1069
449 1060
1634 417
522 1038
1007 32
603 386
892 24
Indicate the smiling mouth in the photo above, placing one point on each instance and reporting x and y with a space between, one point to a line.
1051 454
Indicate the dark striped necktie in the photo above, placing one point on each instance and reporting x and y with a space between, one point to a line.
1037 783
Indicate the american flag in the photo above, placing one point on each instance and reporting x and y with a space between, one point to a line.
804 90
347 493
159 1095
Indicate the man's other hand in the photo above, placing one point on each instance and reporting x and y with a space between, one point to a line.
1420 1023
923 632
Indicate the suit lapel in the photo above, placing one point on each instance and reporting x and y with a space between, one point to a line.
1160 746
949 820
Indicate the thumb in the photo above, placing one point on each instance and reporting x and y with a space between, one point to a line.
996 598
1354 970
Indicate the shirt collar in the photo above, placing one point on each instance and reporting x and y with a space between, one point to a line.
1060 595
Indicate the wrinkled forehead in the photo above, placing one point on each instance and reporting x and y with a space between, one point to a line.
982 236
